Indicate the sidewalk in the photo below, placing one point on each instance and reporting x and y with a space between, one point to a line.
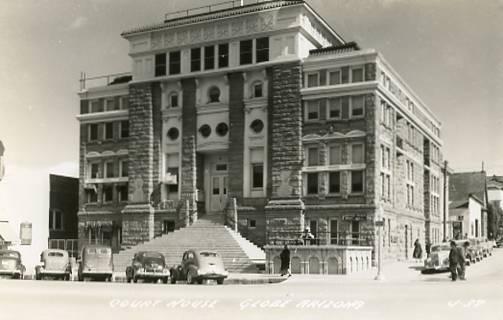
234 278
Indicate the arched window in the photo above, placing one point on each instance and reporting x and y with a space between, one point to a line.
257 89
214 94
173 100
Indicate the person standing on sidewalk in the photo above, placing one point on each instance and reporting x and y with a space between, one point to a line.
455 255
418 251
462 260
285 261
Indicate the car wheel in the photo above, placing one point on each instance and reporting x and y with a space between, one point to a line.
173 279
135 279
199 281
165 280
220 281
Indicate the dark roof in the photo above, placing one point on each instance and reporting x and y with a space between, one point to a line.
123 79
465 184
347 47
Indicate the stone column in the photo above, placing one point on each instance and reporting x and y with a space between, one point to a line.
285 210
236 135
138 215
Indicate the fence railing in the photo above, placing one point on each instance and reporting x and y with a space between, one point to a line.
321 238
103 80
206 9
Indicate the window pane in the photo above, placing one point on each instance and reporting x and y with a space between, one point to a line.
335 155
356 181
245 52
262 49
357 153
335 77
195 59
312 183
257 90
335 108
312 110
124 129
216 185
209 57
174 62
93 132
312 155
110 169
357 103
223 55
257 175
124 168
357 75
312 80
107 194
334 182
95 169
160 64
109 130
173 100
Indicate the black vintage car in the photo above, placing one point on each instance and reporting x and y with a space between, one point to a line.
11 265
149 266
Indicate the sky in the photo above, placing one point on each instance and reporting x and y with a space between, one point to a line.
449 51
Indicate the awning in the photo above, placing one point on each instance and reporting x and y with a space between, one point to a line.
6 233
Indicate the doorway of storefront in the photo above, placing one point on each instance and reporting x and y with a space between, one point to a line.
216 182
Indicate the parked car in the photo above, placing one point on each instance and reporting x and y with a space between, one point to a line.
96 263
438 259
11 265
55 264
499 243
487 247
477 249
197 266
148 266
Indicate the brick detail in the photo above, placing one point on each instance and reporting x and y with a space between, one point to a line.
236 135
372 148
141 143
286 138
137 224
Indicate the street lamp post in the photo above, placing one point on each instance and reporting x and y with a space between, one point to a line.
379 223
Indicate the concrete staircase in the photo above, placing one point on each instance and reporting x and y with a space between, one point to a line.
208 233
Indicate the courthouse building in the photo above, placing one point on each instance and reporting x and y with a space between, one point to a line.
264 108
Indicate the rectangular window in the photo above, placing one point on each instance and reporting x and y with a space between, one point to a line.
124 129
172 163
174 62
92 196
160 64
357 106
95 171
388 187
312 80
252 223
195 59
109 169
262 51
246 52
173 100
124 168
313 110
93 132
357 74
108 193
122 192
258 91
312 157
335 154
124 103
388 158
209 57
357 155
334 108
356 181
334 182
110 104
312 183
96 106
223 55
109 130
334 77
257 168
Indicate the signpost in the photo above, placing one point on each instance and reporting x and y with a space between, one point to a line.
379 224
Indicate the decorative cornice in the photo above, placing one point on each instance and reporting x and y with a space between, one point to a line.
116 115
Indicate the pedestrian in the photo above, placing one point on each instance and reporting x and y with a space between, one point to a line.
463 251
418 250
285 261
455 256
428 248
307 236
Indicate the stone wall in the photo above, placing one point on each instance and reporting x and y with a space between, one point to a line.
236 135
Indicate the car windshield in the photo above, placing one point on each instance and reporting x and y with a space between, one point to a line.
438 248
208 254
100 251
152 255
11 254
7 263
55 254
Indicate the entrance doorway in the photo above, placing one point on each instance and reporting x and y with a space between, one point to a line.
168 226
216 182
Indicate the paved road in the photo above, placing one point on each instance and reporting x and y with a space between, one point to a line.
405 294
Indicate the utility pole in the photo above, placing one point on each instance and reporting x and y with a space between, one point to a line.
379 223
445 201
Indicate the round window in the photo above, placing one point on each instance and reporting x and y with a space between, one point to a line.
205 130
173 133
222 129
257 125
214 94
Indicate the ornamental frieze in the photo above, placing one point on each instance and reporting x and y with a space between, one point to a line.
223 30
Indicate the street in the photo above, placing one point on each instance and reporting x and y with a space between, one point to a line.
405 293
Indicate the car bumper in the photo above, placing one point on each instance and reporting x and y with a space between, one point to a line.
152 274
212 275
54 272
10 274
99 273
